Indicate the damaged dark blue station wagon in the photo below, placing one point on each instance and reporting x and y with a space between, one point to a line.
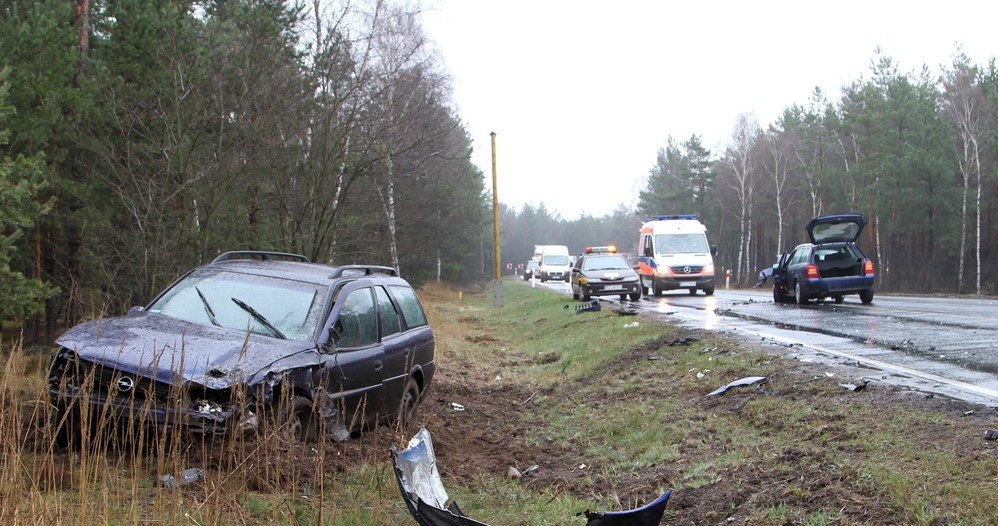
252 339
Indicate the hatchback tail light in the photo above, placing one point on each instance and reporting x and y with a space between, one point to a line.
812 272
868 267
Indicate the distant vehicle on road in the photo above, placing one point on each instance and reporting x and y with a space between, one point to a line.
555 263
532 269
831 265
600 271
673 254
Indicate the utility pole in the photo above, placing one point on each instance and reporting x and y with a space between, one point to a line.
497 282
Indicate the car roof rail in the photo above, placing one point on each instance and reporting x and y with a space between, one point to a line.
259 254
365 270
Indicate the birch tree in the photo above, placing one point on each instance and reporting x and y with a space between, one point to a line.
740 158
964 106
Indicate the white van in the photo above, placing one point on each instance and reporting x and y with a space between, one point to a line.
555 263
673 254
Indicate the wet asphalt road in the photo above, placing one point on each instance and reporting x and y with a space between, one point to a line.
946 345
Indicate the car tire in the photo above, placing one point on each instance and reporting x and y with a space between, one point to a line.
693 292
405 415
583 294
655 291
838 298
64 423
866 296
709 291
799 297
635 296
777 297
296 421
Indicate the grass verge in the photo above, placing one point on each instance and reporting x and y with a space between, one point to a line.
612 413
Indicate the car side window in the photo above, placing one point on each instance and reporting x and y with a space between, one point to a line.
387 314
647 250
412 311
357 324
799 256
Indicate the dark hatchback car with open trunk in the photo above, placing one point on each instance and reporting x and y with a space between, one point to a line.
249 340
830 266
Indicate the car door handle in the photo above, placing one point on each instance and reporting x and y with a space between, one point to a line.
379 365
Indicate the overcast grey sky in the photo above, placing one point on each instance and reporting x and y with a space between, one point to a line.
582 94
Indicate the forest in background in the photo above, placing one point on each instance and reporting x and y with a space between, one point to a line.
915 153
141 138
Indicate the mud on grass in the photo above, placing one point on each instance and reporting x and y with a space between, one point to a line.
796 450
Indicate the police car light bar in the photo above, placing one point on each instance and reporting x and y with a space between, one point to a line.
674 216
609 249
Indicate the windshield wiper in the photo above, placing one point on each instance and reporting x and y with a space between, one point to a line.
207 308
260 318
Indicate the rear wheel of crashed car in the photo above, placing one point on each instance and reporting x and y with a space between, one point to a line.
838 298
866 296
798 294
296 421
409 405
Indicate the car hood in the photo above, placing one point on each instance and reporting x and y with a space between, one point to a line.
165 348
611 274
840 228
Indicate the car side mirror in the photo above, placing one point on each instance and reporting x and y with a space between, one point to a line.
713 250
775 266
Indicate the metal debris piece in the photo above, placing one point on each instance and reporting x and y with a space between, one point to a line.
748 380
421 487
648 515
626 311
189 476
456 407
991 434
424 494
855 387
592 306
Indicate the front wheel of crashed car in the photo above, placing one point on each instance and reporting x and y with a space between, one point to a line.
294 420
408 404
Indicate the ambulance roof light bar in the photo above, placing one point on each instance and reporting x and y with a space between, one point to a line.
673 216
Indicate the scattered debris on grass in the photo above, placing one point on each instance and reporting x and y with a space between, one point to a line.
748 380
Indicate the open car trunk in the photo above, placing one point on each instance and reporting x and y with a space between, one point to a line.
838 261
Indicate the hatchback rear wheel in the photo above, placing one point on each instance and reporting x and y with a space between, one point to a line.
799 294
866 296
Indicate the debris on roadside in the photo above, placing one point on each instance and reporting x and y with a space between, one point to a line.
856 387
424 494
991 434
630 325
188 477
650 513
741 382
455 407
626 311
592 306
